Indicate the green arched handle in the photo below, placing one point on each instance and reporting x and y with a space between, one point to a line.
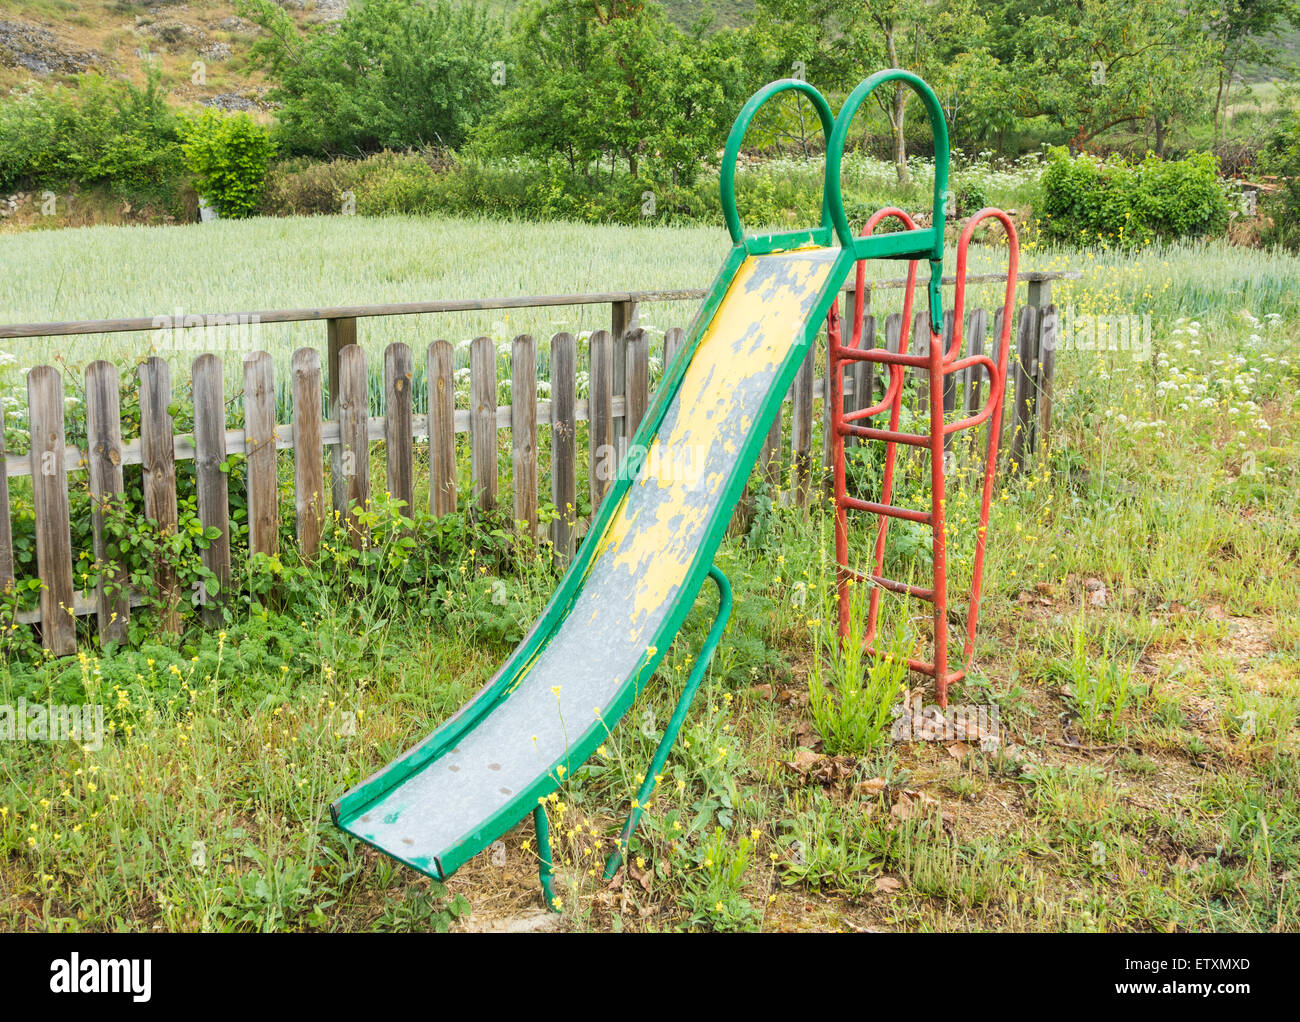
737 136
840 133
919 243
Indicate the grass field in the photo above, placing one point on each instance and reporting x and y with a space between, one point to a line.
1138 641
113 272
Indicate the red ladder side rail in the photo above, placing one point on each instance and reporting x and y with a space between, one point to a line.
995 404
938 364
892 400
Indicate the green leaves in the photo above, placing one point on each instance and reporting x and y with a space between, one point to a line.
103 131
595 86
391 74
1120 204
229 156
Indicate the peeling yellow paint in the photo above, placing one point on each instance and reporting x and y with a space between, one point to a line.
753 330
756 324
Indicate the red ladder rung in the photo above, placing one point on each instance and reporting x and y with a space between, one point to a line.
920 666
883 355
893 585
889 510
888 435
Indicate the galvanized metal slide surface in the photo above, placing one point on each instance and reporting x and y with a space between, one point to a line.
624 598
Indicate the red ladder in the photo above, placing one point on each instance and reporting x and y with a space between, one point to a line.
938 363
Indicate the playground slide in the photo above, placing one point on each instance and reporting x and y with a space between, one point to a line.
650 547
623 599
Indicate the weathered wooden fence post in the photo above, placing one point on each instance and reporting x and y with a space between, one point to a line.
308 451
600 415
210 475
399 439
564 443
1021 371
158 459
442 429
622 321
50 504
260 453
483 421
104 468
636 387
523 431
339 334
354 442
1040 295
801 433
674 337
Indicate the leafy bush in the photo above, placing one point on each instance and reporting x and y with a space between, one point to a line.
390 183
104 132
303 187
970 197
1118 203
391 74
398 183
229 156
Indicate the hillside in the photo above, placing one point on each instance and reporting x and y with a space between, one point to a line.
52 40
200 46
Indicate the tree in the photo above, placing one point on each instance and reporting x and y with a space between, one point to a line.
924 38
975 99
1239 29
392 74
595 82
228 154
1093 65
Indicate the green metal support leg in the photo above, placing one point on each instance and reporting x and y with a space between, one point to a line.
678 717
544 867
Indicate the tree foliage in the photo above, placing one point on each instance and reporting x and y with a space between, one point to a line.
228 154
1088 66
392 74
1118 203
101 132
598 83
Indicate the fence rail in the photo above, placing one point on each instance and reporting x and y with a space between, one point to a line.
331 415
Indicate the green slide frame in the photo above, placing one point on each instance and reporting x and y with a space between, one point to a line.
926 242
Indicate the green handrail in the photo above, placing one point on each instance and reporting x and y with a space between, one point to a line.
737 136
923 242
920 243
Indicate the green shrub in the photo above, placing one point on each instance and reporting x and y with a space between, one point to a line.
397 183
1118 203
390 183
392 73
101 132
302 187
970 197
228 156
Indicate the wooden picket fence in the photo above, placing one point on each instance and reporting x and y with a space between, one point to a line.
619 389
